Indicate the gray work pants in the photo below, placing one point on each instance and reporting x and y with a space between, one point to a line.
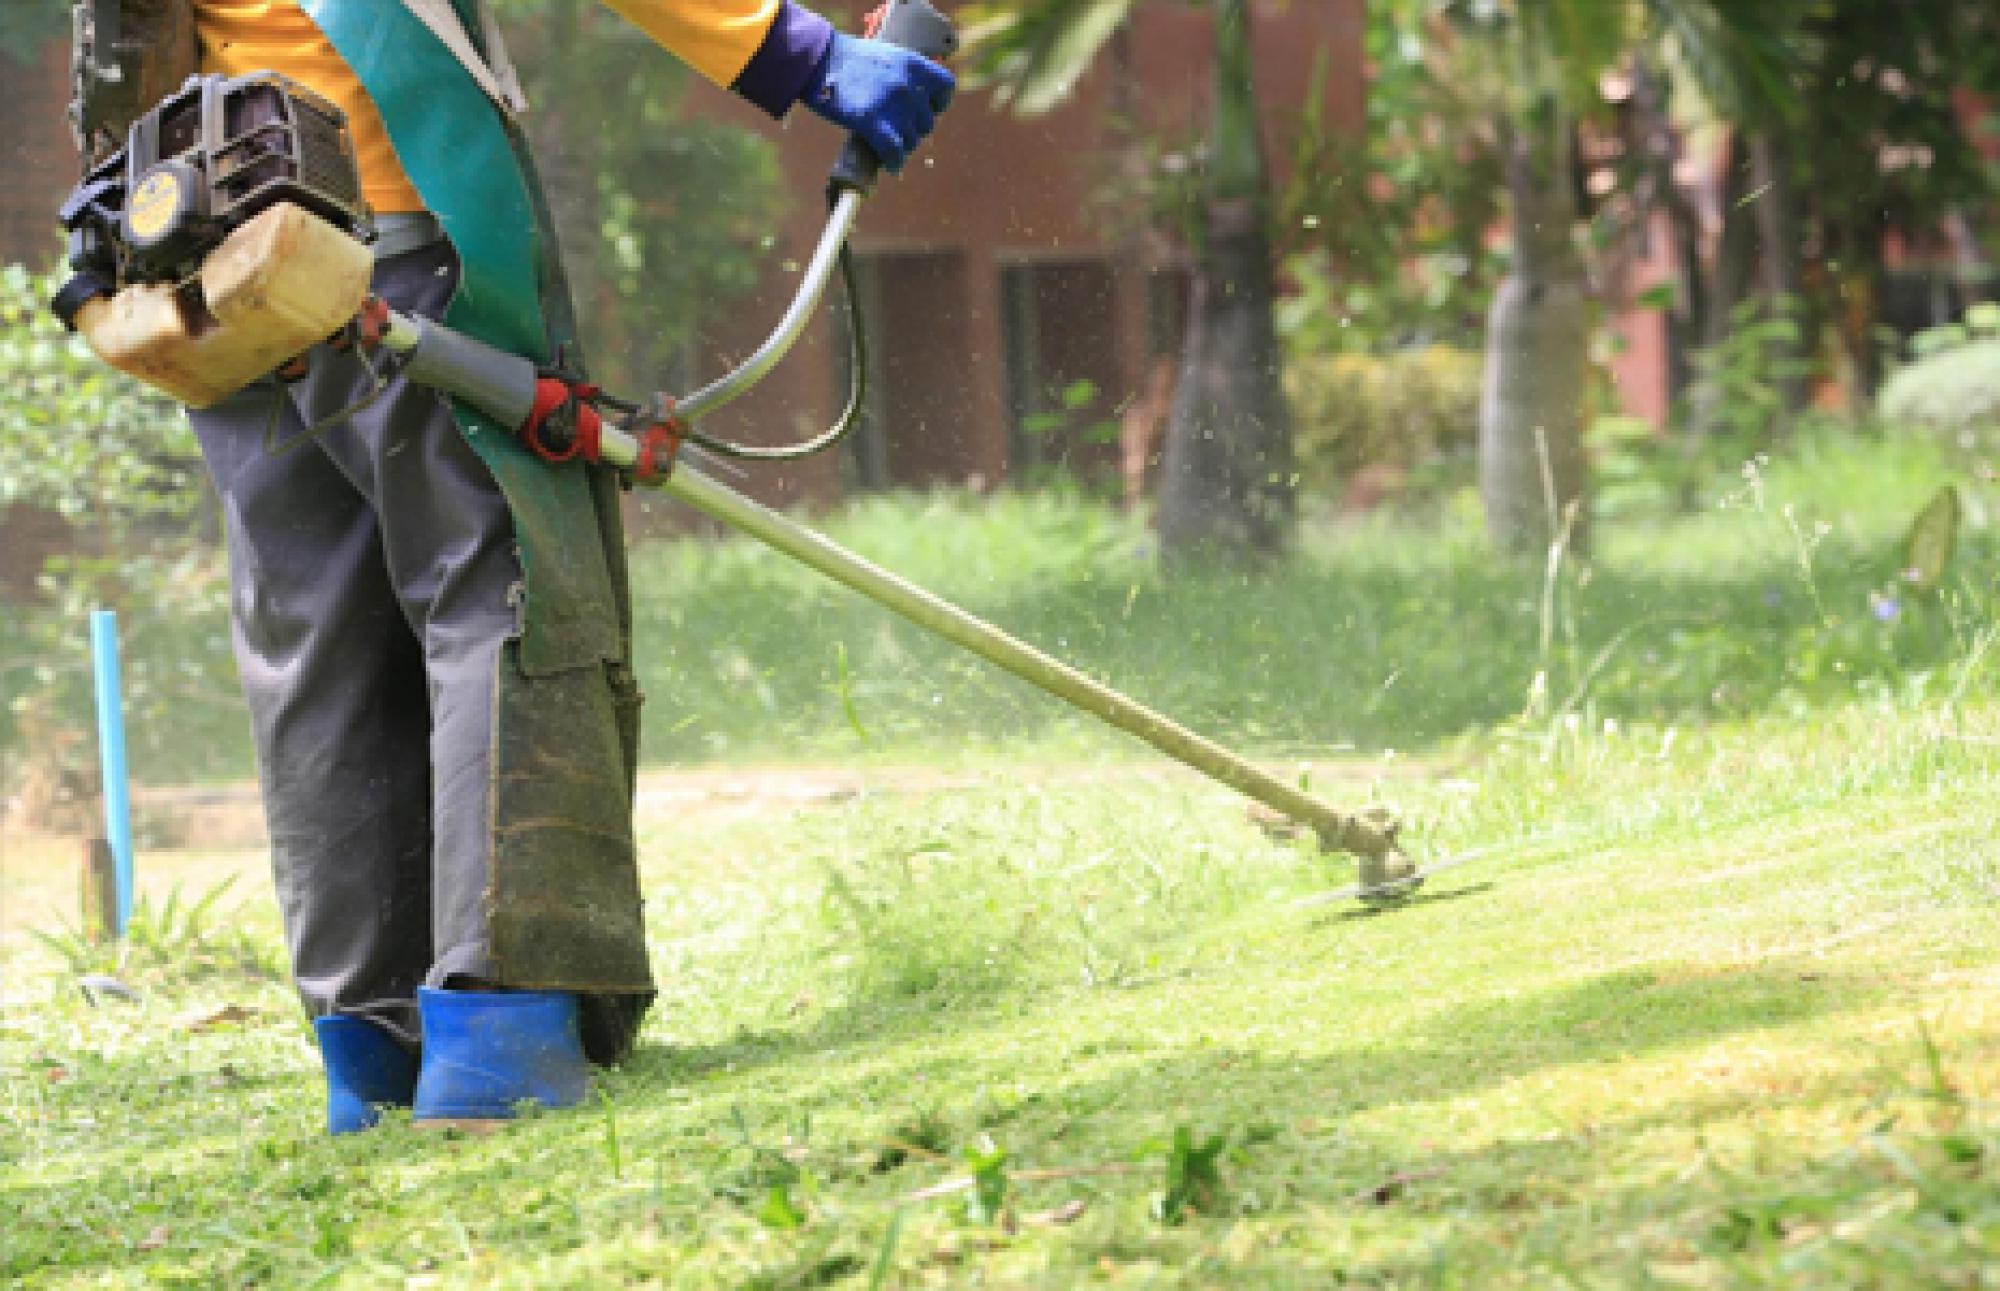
376 588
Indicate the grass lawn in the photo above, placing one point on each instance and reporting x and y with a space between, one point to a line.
1719 1010
1005 1004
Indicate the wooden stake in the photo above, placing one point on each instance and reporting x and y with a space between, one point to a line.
99 888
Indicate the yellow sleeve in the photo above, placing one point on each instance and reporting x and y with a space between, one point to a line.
715 37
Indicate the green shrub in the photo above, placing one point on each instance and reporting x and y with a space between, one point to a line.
1952 388
77 437
1411 411
116 465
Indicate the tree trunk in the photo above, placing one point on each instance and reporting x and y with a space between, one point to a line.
1729 284
1780 231
1538 332
1660 142
1226 475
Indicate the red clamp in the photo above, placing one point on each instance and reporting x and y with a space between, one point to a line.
659 446
554 395
372 323
871 26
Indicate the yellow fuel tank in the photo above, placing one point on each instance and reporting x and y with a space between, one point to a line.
283 282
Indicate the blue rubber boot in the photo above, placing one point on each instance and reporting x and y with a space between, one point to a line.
486 1052
366 1070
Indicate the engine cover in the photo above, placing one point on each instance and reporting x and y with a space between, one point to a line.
201 164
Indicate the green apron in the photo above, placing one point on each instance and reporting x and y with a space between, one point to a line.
564 899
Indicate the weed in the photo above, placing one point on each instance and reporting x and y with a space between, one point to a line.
1194 1177
173 941
986 1202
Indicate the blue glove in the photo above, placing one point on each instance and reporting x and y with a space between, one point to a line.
882 92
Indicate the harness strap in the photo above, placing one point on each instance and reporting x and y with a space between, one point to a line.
493 70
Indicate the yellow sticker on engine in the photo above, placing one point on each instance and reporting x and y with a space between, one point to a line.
154 204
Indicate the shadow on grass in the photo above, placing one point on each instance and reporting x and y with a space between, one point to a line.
1107 1084
1441 1054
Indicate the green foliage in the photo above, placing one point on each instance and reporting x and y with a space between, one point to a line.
1740 51
184 716
1683 616
1415 412
1932 541
1638 472
1033 52
986 1203
1741 381
1076 423
1385 234
1885 93
75 436
1952 388
119 463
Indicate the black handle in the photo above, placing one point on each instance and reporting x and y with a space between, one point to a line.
918 26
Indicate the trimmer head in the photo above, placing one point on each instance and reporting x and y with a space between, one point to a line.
1388 878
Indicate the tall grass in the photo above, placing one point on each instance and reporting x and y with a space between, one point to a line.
1397 633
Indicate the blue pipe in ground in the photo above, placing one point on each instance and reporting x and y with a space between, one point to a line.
111 754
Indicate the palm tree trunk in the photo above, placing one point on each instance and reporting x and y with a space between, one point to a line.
1778 228
1731 280
1226 474
1531 463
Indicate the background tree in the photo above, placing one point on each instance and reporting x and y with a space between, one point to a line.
1226 480
1542 61
1868 150
1885 146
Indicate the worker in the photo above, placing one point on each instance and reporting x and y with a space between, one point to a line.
433 626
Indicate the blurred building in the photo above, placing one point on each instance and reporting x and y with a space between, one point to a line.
995 276
1001 272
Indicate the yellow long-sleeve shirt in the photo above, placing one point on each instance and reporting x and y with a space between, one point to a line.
715 37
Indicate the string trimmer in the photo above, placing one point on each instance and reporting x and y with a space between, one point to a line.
653 443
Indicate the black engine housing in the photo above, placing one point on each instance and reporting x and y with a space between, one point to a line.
207 159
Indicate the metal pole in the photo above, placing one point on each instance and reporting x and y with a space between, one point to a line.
111 754
1336 829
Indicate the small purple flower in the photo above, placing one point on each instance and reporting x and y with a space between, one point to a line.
1887 609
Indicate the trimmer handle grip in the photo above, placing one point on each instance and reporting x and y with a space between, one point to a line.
918 26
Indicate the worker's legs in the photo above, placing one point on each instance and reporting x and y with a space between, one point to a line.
448 551
502 793
375 587
335 684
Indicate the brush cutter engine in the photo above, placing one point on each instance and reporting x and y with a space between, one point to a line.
226 238
198 167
